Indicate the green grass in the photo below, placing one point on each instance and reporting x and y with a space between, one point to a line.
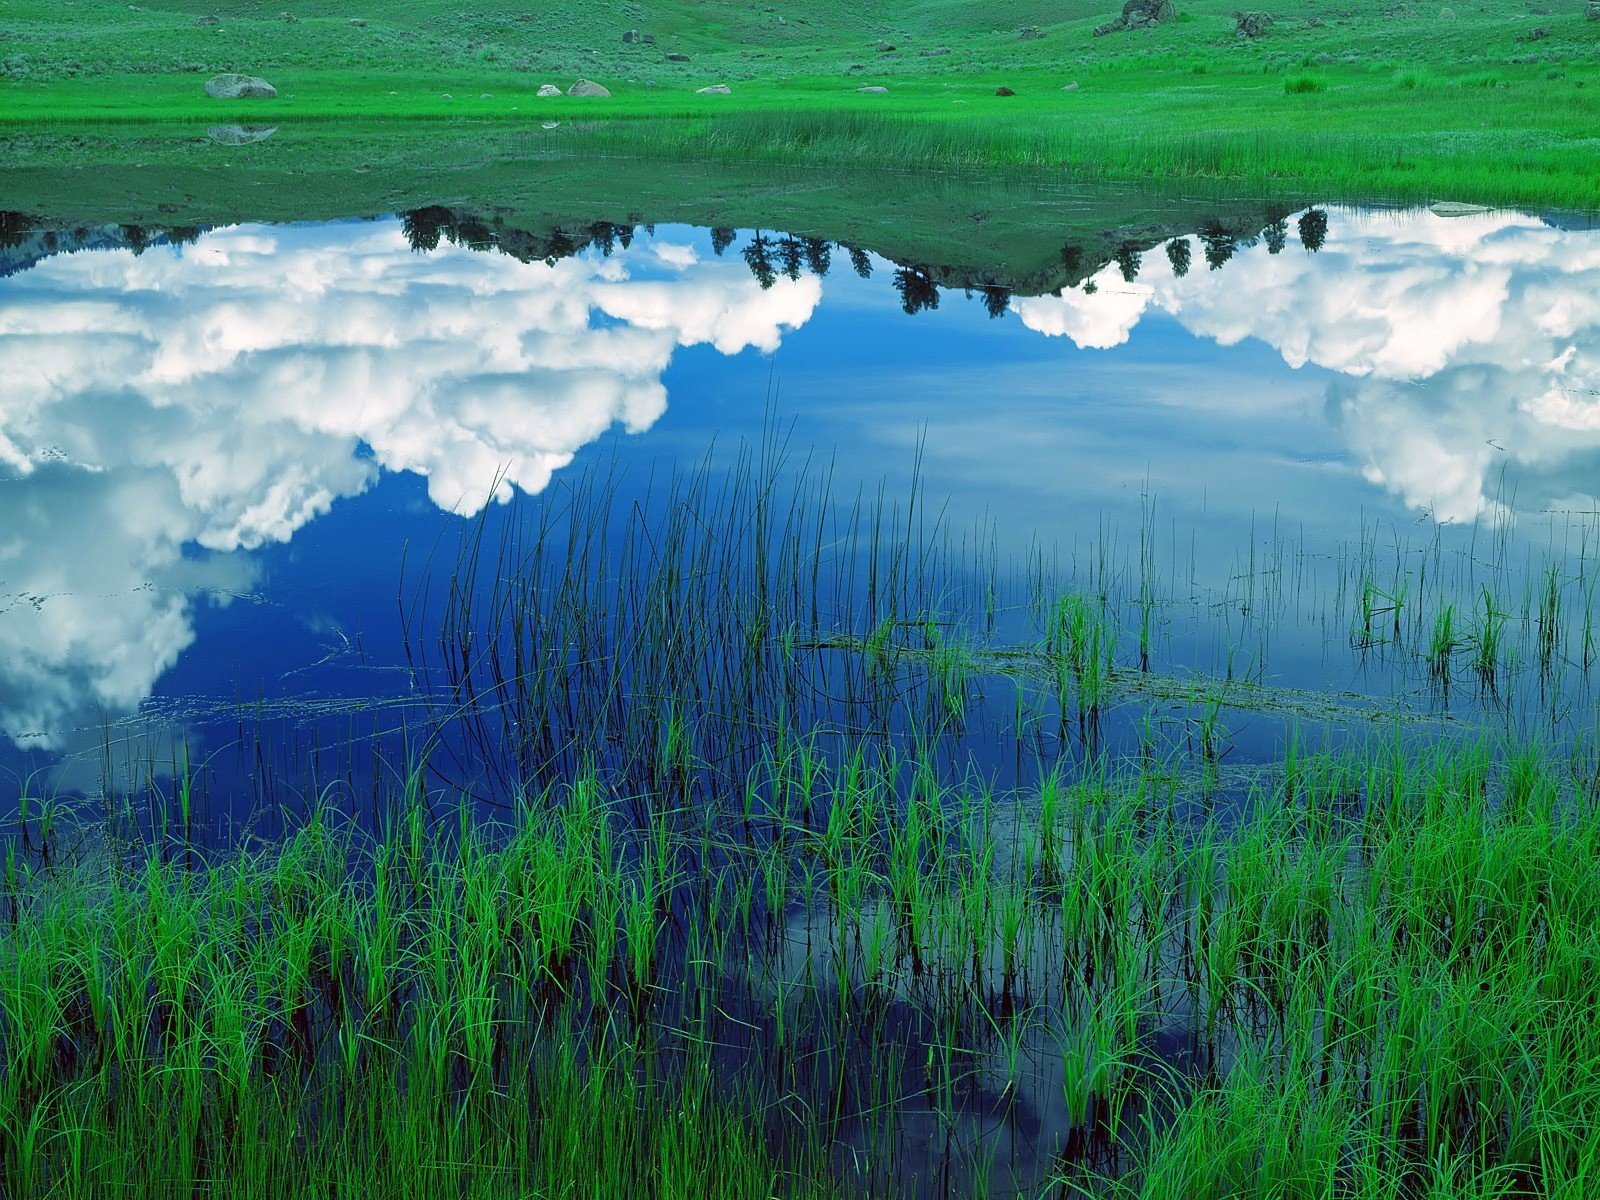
1363 104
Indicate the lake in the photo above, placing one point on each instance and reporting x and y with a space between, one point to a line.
926 636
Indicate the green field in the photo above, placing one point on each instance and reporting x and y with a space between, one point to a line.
1411 102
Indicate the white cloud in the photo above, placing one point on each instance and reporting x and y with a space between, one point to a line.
226 397
1476 341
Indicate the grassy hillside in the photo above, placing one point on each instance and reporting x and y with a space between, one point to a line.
1489 102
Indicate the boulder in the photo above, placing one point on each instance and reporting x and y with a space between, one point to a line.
873 91
676 57
213 19
1030 33
649 39
1251 24
1070 87
1139 14
1004 91
240 135
548 89
358 22
716 89
233 86
885 48
587 87
1592 10
630 37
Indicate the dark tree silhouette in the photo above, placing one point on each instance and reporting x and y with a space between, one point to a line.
917 291
560 246
819 256
721 238
789 253
1128 261
1179 252
604 235
137 237
13 229
860 261
422 227
1313 229
183 235
1218 242
1276 234
758 257
996 300
1072 259
625 236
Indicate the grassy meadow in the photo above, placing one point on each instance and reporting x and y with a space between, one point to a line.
1492 104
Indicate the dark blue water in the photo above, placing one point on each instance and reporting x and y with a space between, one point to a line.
228 466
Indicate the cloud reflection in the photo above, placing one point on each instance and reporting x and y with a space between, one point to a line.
1461 345
223 397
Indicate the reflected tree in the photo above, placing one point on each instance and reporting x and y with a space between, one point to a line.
13 229
721 238
917 291
1072 259
758 257
1313 229
422 227
624 236
859 260
819 256
604 235
790 252
183 235
1276 234
1128 259
996 300
1219 244
1179 254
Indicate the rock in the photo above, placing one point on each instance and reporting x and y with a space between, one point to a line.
1004 91
716 89
1031 33
486 96
587 87
548 89
1538 34
1592 10
359 22
885 48
1251 24
213 19
1139 14
232 86
288 16
873 91
630 37
240 135
676 57
1070 87
446 96
649 39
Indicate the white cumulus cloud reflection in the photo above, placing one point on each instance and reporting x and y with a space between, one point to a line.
1459 345
223 397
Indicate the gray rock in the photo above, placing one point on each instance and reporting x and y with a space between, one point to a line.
240 135
873 91
587 87
548 89
630 37
1251 24
885 48
676 57
1031 33
1004 91
648 39
233 86
359 22
716 89
1070 87
213 19
1592 10
1139 14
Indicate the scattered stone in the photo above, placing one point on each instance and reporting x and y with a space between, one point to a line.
1251 24
548 89
885 48
233 86
587 87
1070 87
649 39
630 37
486 96
446 96
240 135
1030 33
716 89
359 22
1592 10
676 57
213 19
551 125
288 16
856 67
1139 14
873 91
1004 91
1538 34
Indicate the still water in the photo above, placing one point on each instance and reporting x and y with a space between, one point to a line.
229 456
